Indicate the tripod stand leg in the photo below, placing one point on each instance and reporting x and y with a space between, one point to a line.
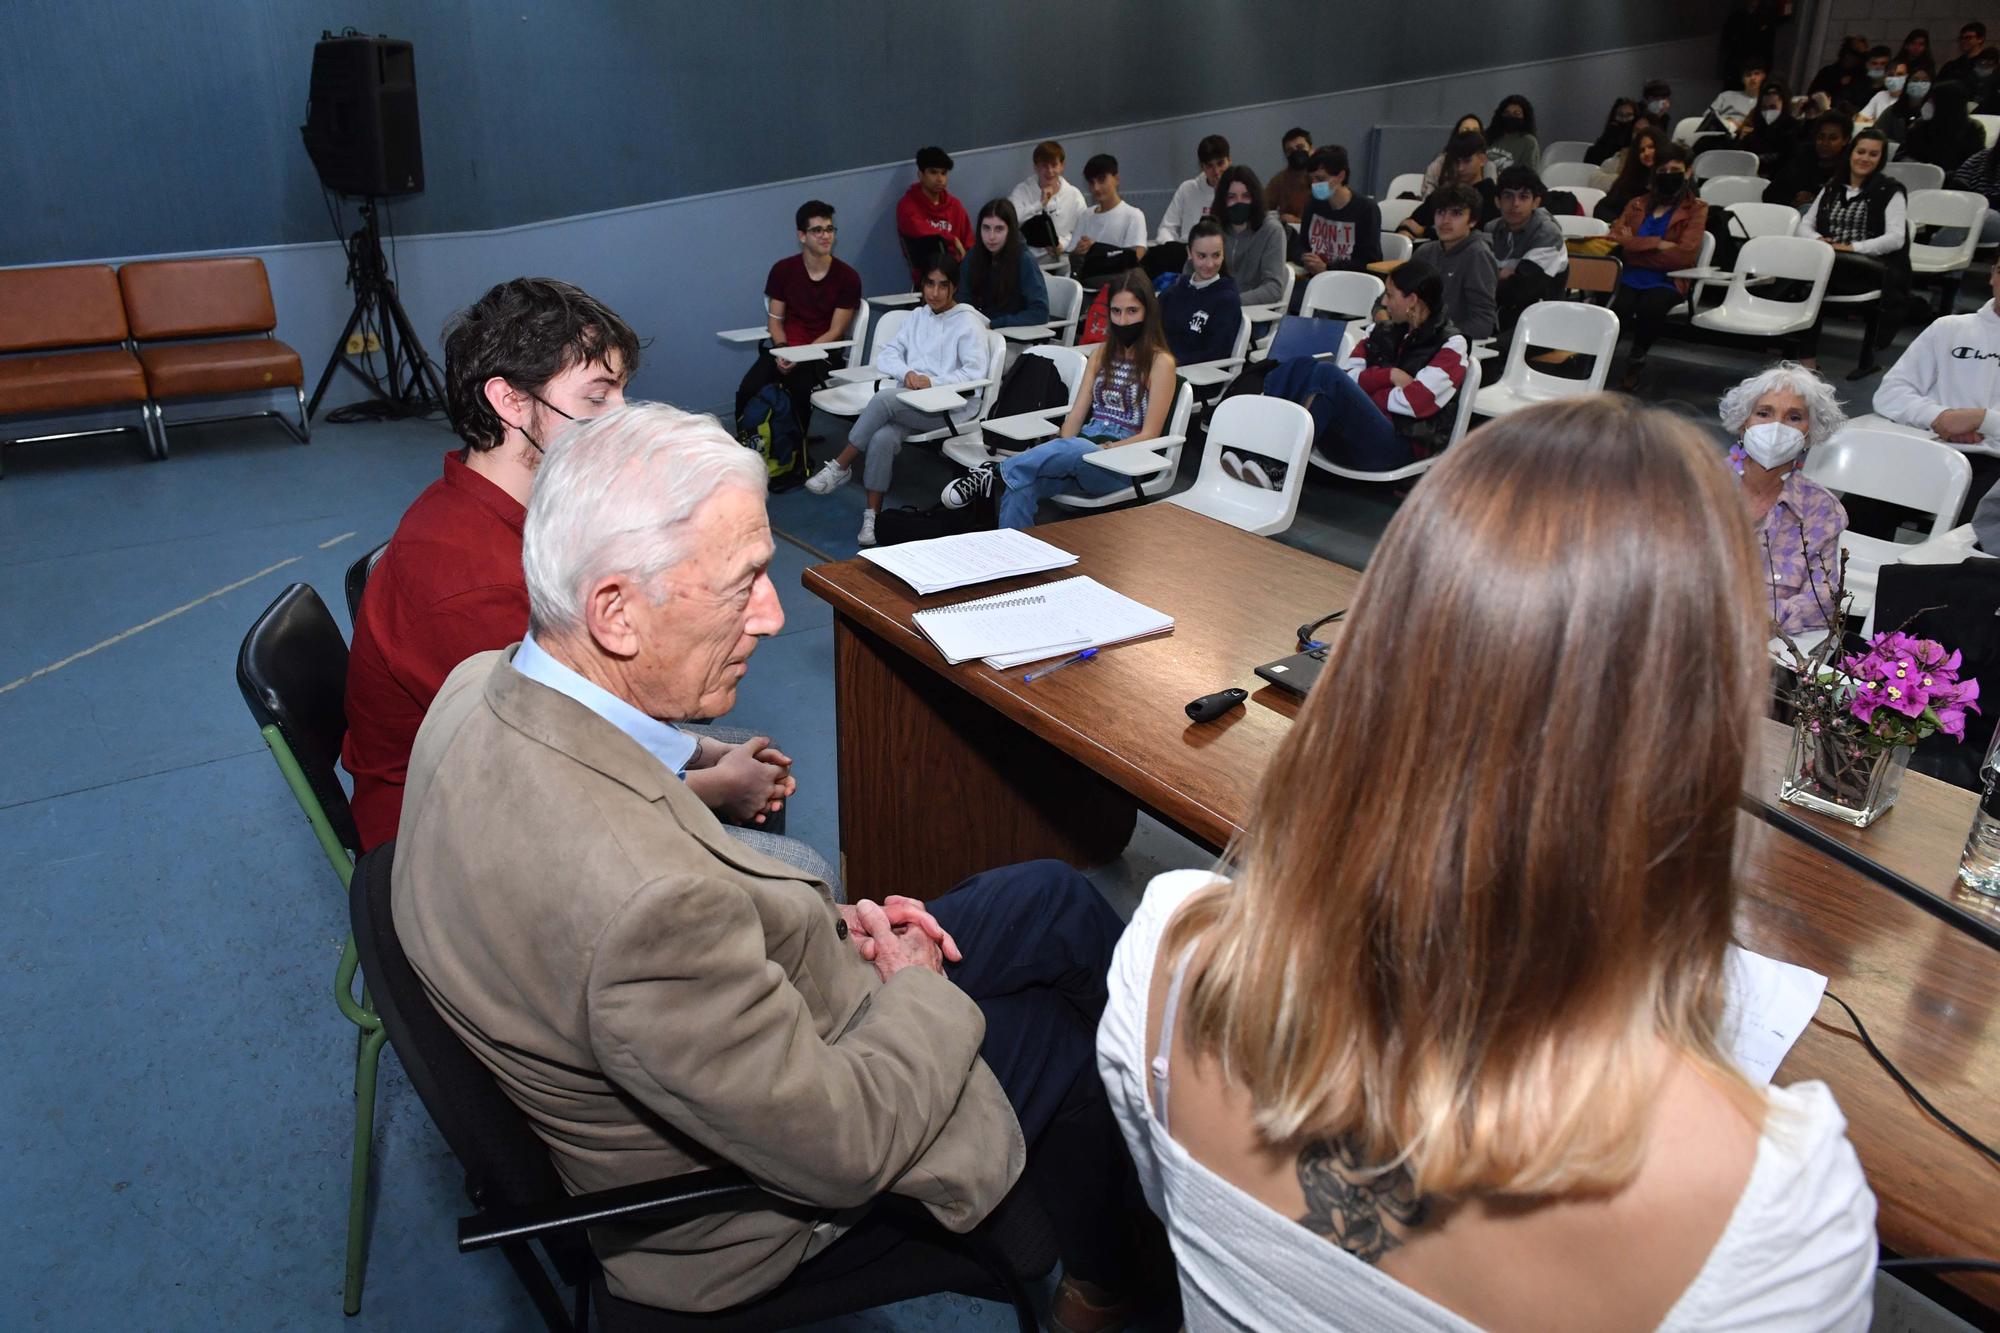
333 362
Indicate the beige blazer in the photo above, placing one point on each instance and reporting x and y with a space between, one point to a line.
658 998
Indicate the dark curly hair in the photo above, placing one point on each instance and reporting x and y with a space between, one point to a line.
527 332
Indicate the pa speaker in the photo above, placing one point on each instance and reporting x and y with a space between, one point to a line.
361 116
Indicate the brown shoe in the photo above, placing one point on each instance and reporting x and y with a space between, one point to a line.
1081 1308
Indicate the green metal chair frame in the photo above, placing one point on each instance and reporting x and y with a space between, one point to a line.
358 1011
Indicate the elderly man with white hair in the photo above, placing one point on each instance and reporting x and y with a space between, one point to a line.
658 997
1776 416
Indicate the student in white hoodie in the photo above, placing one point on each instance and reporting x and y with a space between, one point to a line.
1948 383
942 343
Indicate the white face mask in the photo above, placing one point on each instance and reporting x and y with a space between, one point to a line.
1918 88
1771 114
1772 444
1894 83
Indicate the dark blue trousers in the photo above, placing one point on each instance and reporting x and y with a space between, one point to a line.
1037 940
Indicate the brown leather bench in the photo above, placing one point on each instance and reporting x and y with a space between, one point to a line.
171 301
62 349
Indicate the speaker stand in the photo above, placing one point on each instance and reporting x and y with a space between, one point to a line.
411 386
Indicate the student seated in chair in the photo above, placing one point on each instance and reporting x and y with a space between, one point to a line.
1944 383
941 343
1130 382
1658 233
1339 229
1863 216
657 1000
1392 401
812 298
1193 201
1286 194
1046 194
1465 261
1113 228
1465 164
1253 239
1001 280
520 364
1202 309
929 219
1527 245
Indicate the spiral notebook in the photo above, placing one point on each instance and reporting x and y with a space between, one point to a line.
1016 622
1047 620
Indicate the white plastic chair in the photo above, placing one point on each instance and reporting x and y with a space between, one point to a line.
1270 315
1747 314
1397 246
1990 127
1720 191
1587 197
1705 258
1958 209
1916 175
1564 150
1461 422
1394 211
1349 295
1150 466
1065 308
1685 129
987 387
1568 175
999 436
1761 219
1724 162
1567 326
1582 227
1410 183
856 339
1269 428
853 386
1926 475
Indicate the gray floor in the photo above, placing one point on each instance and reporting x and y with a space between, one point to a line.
176 1111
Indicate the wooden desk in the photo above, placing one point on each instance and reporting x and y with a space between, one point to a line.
1914 848
921 746
936 784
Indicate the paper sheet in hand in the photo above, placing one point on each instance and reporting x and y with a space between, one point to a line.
1767 1005
1109 616
1014 622
943 563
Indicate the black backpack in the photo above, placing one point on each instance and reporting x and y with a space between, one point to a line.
907 523
1033 385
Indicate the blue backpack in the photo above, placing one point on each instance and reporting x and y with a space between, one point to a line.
770 426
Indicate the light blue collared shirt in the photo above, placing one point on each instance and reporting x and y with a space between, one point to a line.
662 740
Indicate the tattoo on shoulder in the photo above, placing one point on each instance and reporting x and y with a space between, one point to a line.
1350 1207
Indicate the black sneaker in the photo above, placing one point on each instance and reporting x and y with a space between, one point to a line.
977 484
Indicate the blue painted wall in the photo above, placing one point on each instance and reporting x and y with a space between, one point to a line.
136 128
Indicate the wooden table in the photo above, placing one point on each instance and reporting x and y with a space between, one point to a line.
945 771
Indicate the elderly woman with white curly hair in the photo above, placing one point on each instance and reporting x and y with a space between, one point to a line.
1776 416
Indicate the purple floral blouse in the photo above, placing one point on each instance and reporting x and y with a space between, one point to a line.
1801 541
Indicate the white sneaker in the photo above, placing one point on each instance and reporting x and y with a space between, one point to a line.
867 537
1248 471
1232 465
977 484
829 478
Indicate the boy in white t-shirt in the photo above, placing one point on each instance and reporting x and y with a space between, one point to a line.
1112 223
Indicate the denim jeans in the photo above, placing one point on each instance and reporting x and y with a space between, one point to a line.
1051 468
1347 426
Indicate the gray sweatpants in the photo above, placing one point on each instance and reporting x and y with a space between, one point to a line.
879 433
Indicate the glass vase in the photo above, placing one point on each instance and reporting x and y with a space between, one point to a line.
1842 777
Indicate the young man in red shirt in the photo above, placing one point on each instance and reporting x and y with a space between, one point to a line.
929 218
813 298
524 360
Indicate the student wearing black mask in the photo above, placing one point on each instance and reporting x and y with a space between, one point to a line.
1658 232
1253 239
1617 134
1289 189
1510 138
1131 391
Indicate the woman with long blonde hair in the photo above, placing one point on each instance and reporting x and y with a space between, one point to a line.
1446 1052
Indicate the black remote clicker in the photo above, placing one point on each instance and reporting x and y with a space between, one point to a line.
1211 706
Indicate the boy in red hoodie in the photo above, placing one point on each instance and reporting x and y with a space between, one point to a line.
928 218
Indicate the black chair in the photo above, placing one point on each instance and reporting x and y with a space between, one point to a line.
510 1178
357 580
292 670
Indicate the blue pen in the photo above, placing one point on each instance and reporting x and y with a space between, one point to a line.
1083 656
